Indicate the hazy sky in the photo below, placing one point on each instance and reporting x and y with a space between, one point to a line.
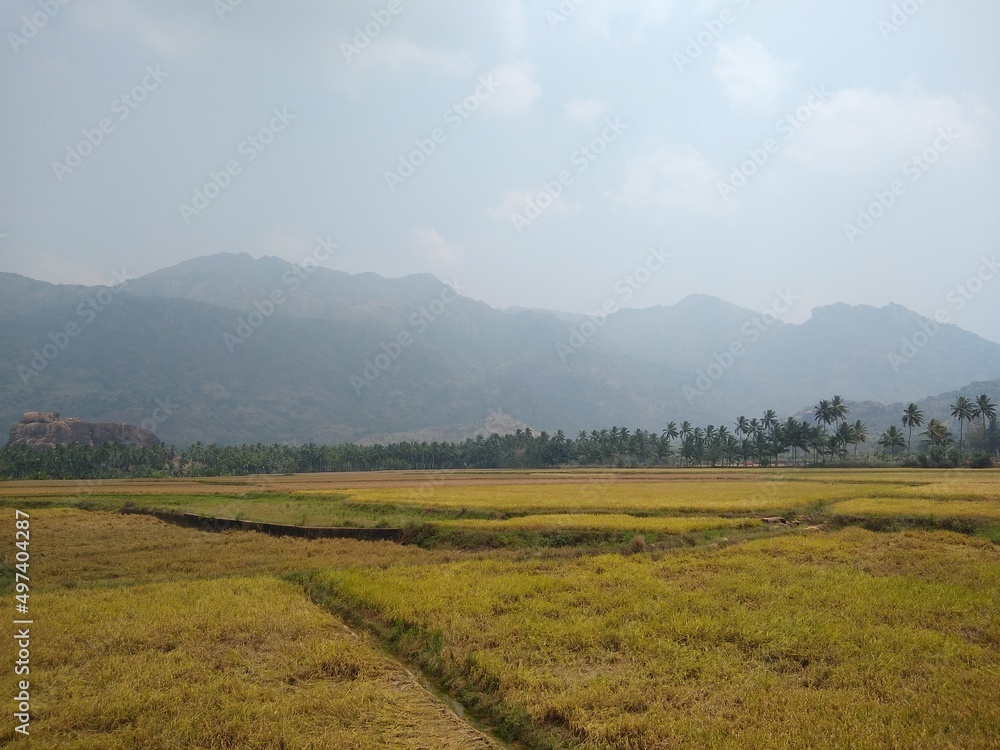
744 137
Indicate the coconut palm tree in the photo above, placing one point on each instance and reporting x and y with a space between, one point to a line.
777 441
985 409
823 413
686 429
859 434
724 437
892 439
912 417
663 450
841 438
742 428
937 433
670 432
838 409
769 420
963 409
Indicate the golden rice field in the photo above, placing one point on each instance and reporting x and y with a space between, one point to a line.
987 510
152 636
234 662
609 521
73 548
852 640
662 497
741 634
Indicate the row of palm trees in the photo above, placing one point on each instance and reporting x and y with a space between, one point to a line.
755 441
964 410
762 441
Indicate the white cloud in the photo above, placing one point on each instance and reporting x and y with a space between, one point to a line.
584 110
749 74
517 89
669 176
861 129
436 248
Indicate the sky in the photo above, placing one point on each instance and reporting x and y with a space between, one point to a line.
535 154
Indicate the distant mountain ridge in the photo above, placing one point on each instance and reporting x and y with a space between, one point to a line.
325 356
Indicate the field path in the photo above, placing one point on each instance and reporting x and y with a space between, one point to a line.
412 681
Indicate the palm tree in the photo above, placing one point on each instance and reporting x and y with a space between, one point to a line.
670 432
838 409
742 427
892 439
712 445
963 409
823 412
985 409
912 417
685 431
937 433
778 441
769 420
841 438
859 434
790 429
723 441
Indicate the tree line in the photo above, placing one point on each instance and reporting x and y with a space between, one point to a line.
830 439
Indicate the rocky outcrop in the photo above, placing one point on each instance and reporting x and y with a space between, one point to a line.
47 429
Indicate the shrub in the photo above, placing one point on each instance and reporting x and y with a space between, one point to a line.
980 460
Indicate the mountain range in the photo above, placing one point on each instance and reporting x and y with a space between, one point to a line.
231 349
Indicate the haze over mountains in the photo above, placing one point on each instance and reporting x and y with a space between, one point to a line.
230 349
